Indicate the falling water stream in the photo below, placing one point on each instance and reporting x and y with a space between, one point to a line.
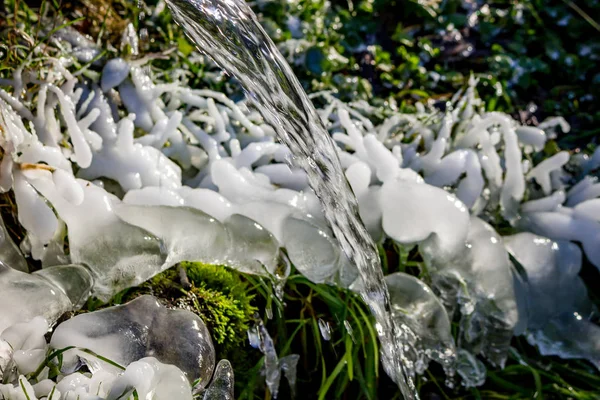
228 31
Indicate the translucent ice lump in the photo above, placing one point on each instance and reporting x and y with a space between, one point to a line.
138 329
48 293
140 346
479 280
273 366
9 252
416 307
465 257
558 312
578 224
311 244
221 387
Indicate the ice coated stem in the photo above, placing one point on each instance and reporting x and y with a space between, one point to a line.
228 31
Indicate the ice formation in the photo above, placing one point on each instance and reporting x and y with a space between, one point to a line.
105 208
221 387
417 308
138 329
9 252
274 366
139 336
557 312
48 293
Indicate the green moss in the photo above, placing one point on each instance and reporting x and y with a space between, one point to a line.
222 297
217 294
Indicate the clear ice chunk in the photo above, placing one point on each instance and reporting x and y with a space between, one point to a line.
119 255
254 337
289 366
255 249
259 338
221 387
25 296
470 369
552 285
424 326
6 353
74 280
188 234
558 310
311 248
566 224
568 336
138 329
269 214
466 259
271 363
480 280
10 254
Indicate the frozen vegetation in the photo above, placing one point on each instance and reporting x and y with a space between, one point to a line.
120 175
